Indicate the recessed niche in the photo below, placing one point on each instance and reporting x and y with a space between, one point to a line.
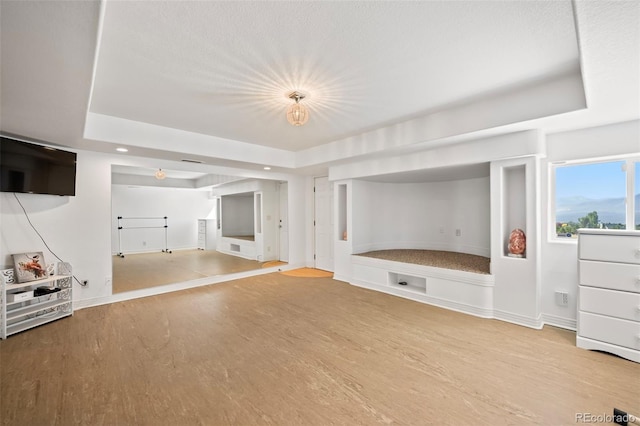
218 212
258 215
408 282
514 206
342 213
238 215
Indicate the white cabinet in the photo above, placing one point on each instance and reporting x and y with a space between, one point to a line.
22 309
609 292
206 234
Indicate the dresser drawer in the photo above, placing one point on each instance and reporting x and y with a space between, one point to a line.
616 276
610 330
610 248
617 304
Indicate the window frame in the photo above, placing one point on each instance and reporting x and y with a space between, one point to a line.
630 169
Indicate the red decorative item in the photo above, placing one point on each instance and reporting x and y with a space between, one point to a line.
517 243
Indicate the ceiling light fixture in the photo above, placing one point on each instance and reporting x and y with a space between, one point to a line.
122 150
297 114
267 168
160 174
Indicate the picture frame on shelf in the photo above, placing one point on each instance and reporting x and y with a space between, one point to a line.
29 266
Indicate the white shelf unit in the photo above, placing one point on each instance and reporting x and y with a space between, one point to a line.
34 311
609 292
412 283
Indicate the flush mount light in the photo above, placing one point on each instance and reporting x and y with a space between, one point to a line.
122 150
160 174
297 114
267 168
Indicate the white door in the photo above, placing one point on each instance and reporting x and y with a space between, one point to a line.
323 223
283 224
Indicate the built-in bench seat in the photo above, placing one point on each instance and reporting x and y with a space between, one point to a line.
242 246
457 281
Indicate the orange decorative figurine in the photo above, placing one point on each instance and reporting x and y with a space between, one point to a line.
517 243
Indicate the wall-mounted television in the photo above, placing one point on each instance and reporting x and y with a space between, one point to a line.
36 169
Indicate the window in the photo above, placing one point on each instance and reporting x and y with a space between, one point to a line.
595 195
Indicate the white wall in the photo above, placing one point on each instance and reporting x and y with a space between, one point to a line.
183 208
300 217
560 258
422 216
76 228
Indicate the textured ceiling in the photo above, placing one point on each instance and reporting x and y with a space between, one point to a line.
207 80
224 68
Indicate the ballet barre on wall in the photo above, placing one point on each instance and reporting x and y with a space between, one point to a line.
121 228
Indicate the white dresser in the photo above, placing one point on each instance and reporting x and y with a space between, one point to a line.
609 292
207 234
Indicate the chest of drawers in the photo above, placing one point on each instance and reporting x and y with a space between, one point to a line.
206 234
609 292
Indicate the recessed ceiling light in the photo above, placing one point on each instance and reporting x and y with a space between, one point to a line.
160 174
122 150
267 168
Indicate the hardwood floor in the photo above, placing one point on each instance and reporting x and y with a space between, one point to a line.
145 270
281 350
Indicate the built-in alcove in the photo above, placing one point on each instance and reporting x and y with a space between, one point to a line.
343 233
446 209
249 219
514 204
238 215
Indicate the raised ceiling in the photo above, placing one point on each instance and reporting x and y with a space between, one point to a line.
208 80
225 68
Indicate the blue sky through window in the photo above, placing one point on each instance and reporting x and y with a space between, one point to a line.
585 188
597 181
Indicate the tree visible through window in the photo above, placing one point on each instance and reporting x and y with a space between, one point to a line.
590 196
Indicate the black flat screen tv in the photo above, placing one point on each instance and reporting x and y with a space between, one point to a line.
36 169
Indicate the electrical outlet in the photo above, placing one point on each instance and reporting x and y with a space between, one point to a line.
442 229
458 232
562 298
144 243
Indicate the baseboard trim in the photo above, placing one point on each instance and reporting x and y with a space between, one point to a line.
560 322
519 319
426 299
169 288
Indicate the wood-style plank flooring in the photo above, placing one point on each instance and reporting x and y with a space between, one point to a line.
145 270
280 350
